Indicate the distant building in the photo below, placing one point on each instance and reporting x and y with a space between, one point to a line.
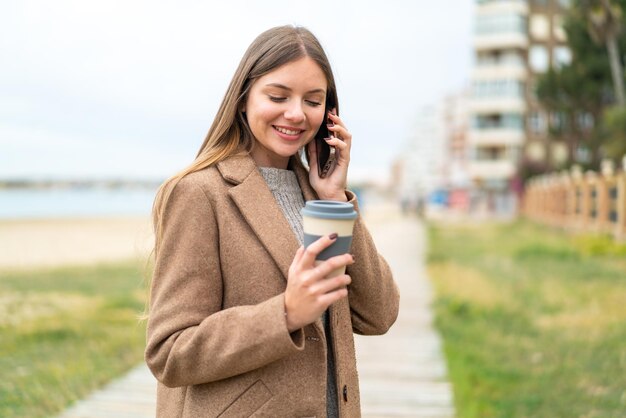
420 168
514 41
547 48
456 168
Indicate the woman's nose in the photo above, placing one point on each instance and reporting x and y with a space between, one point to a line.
294 112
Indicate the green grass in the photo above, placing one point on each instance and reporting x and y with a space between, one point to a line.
65 332
533 321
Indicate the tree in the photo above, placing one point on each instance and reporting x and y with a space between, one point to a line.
604 24
614 122
581 91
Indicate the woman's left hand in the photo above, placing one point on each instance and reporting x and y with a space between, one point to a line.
333 186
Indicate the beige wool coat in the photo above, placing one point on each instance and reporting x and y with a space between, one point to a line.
217 339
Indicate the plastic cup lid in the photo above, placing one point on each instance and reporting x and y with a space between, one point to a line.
329 209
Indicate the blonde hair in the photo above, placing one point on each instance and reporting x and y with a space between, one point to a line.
230 133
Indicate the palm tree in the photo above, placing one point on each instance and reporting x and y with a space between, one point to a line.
604 26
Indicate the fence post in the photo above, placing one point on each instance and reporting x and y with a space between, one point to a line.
579 200
552 191
591 201
605 200
563 198
528 198
545 202
620 201
570 206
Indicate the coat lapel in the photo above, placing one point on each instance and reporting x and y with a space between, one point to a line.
260 210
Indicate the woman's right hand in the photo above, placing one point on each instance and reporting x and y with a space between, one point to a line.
309 293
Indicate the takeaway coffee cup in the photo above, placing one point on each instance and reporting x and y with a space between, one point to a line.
324 217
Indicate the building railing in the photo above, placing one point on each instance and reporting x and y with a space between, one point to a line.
589 202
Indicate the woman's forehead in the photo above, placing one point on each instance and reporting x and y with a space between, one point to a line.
302 74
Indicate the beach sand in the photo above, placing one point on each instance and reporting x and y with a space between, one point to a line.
59 242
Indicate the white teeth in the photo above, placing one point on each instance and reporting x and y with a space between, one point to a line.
287 131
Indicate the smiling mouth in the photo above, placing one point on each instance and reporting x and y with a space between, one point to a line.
288 131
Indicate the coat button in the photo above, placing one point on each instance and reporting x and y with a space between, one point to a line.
345 393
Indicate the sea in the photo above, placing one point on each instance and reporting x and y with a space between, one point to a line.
75 202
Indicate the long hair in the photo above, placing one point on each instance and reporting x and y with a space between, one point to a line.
230 133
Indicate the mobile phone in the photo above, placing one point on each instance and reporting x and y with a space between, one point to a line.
326 154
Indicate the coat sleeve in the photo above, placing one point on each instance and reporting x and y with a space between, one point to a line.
373 295
190 339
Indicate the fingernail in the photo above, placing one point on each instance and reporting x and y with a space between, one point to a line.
330 125
333 236
328 139
352 255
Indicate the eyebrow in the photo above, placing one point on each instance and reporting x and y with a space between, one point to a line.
283 87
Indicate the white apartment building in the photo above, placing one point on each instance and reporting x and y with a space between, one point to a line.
498 103
514 40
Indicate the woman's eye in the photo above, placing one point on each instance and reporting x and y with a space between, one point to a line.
313 103
277 99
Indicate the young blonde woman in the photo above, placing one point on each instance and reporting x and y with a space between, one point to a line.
242 323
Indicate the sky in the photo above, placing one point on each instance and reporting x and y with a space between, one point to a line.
128 89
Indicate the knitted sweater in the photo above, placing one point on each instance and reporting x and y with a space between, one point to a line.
285 188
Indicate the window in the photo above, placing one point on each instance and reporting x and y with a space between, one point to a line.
535 151
509 58
582 154
558 121
485 121
483 60
512 58
539 27
498 88
498 121
490 153
561 56
537 123
565 3
558 28
512 121
538 58
497 24
585 120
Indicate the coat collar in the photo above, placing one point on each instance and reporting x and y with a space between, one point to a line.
259 208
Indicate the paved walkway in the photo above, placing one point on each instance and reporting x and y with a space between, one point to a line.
402 374
131 396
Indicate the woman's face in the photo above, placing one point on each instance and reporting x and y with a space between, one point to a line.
285 108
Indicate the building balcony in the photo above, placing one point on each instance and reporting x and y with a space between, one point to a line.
496 137
499 72
507 40
497 105
490 170
502 7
